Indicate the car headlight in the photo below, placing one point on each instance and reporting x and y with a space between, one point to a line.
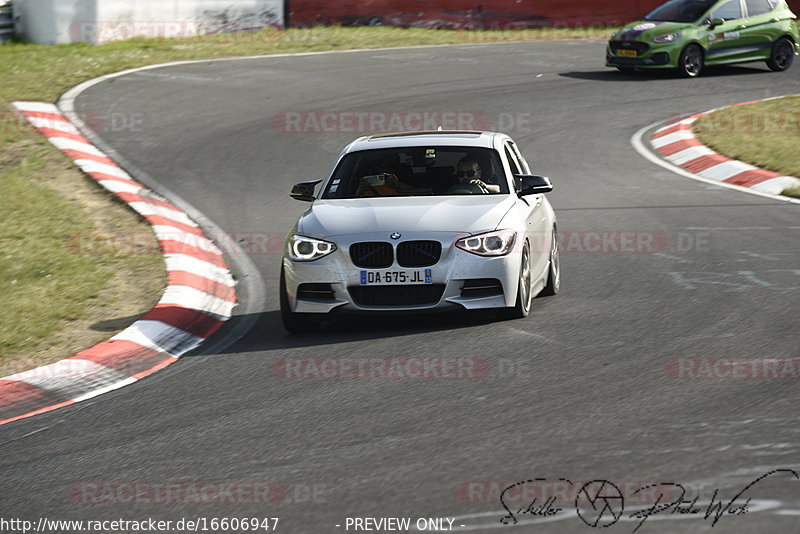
666 38
303 248
498 243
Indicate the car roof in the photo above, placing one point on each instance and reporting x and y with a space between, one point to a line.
466 138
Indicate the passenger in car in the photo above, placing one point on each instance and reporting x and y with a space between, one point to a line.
388 175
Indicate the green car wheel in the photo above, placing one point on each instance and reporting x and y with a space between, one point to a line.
782 55
691 62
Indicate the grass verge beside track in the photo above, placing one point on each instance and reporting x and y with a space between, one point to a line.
765 134
67 278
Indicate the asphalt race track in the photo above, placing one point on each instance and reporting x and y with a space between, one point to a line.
581 390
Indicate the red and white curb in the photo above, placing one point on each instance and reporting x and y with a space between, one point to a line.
678 145
198 299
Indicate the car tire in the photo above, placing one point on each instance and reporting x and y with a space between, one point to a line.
691 62
295 323
554 270
522 306
782 55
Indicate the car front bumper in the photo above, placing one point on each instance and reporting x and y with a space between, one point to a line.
655 56
459 280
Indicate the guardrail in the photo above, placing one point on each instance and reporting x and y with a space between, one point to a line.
481 14
6 20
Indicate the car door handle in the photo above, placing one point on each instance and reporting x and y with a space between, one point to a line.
741 27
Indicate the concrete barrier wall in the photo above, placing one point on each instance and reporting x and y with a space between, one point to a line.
486 14
6 21
465 14
99 21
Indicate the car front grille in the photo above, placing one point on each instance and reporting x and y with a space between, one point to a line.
416 295
418 253
372 255
639 46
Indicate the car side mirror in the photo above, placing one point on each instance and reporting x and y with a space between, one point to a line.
532 184
305 191
715 22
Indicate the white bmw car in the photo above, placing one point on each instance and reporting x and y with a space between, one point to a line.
421 221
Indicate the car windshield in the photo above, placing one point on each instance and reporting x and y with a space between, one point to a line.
681 11
418 171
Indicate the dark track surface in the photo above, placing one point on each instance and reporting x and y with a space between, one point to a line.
595 400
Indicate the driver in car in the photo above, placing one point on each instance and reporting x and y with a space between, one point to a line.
469 172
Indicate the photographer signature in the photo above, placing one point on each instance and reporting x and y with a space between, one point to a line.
604 502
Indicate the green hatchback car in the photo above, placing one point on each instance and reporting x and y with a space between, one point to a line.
689 34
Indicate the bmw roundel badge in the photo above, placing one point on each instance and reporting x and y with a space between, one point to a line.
395 235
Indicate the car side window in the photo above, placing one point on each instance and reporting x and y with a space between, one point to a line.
512 161
524 167
759 7
730 10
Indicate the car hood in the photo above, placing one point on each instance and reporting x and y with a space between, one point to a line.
644 30
463 214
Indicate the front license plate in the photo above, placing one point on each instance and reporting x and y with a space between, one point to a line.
394 278
627 53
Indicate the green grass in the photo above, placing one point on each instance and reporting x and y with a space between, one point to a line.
43 281
50 279
46 285
764 134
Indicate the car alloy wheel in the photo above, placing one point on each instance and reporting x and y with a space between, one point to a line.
782 55
691 61
554 274
522 306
